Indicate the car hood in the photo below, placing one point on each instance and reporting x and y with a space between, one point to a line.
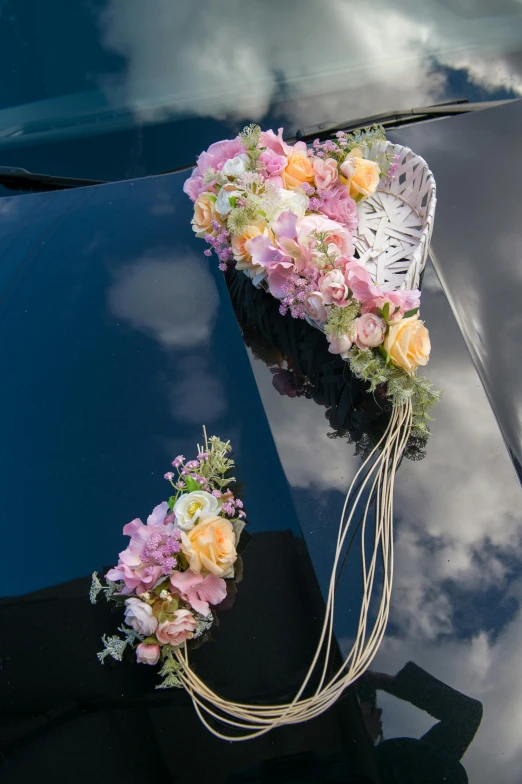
118 340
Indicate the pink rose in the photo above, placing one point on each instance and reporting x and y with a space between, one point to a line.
338 237
273 163
370 330
147 654
199 591
402 299
333 288
214 158
178 630
340 207
360 281
326 173
269 140
314 306
339 344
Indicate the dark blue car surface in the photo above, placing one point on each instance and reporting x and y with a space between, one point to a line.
119 339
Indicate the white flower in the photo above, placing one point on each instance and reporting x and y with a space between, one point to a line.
235 167
222 203
139 616
290 200
190 507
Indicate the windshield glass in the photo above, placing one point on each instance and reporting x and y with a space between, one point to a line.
107 89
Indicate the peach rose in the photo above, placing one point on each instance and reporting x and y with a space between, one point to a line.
299 169
365 178
204 214
241 245
210 547
408 344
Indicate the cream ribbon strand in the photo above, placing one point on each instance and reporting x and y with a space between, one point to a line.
377 475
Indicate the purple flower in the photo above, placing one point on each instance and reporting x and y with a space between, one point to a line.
203 455
169 476
178 461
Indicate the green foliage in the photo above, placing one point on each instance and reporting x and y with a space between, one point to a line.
170 669
238 219
365 137
250 135
341 321
218 466
96 587
376 369
191 484
114 646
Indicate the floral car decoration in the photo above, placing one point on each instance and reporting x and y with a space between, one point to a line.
175 569
286 216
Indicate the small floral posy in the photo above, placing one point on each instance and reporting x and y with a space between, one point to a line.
175 567
286 216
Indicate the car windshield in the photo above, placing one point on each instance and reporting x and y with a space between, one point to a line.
109 89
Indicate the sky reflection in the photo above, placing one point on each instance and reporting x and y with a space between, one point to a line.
458 578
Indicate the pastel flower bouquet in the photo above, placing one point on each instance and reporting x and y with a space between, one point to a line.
177 568
289 217
338 233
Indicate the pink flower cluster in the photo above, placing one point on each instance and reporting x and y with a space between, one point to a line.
287 214
175 566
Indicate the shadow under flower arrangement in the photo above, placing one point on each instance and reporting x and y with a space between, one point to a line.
334 240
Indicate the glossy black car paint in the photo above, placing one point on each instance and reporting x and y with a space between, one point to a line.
119 341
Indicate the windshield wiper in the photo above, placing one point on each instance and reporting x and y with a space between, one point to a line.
395 119
18 179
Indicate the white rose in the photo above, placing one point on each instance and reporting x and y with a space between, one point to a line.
290 200
235 167
347 169
139 615
190 507
222 204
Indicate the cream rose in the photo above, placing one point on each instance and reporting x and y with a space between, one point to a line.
241 245
191 506
223 204
210 547
299 169
204 214
235 167
408 344
365 178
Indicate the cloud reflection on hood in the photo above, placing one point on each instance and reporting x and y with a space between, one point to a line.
237 60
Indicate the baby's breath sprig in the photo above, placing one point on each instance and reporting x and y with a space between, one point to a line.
341 321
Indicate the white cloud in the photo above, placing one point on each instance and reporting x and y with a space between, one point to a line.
172 299
229 59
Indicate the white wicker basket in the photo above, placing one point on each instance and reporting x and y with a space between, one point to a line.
395 224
